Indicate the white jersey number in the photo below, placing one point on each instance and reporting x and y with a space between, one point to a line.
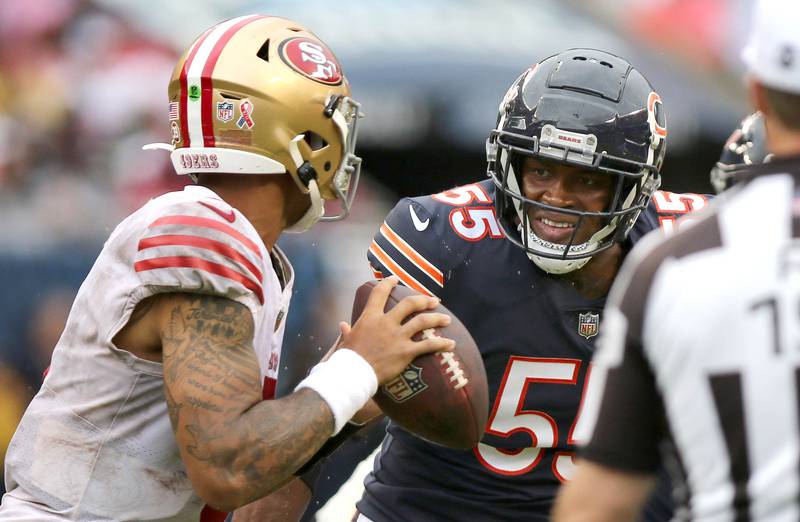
669 202
474 223
508 417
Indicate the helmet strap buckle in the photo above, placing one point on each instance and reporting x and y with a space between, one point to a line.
307 173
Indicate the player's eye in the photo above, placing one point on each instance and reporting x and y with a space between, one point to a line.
591 181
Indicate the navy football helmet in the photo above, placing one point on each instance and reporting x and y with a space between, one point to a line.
584 108
745 146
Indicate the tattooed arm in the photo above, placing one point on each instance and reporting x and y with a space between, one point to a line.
236 447
286 504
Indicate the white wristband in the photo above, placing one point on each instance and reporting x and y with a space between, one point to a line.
345 381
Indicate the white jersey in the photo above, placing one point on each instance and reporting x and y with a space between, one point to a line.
700 356
96 443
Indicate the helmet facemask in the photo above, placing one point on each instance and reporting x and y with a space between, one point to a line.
630 192
345 180
341 186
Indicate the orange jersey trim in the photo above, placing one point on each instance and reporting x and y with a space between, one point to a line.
412 255
397 270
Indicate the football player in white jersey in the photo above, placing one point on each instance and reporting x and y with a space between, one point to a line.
154 407
698 365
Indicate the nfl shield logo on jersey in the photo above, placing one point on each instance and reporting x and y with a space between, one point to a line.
224 111
588 323
405 385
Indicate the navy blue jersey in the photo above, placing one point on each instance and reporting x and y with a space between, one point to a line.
536 335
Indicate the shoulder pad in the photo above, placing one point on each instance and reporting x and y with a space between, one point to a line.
423 238
200 245
405 246
667 211
470 212
670 206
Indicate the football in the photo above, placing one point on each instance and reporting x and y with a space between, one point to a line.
441 397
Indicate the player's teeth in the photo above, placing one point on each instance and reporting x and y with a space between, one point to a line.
557 224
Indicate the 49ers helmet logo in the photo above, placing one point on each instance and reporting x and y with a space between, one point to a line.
311 58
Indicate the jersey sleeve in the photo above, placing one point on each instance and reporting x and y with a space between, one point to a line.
192 246
409 245
673 209
623 422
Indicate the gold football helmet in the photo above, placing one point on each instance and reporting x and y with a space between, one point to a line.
263 95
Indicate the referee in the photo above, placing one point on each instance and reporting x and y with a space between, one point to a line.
699 366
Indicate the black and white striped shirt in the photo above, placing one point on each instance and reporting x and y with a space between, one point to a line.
700 356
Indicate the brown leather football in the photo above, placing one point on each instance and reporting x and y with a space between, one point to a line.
441 397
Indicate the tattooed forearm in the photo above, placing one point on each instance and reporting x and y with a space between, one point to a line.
298 424
226 433
273 439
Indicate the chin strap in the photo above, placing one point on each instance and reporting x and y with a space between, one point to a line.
314 213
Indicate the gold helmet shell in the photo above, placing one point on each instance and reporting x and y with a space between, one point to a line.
263 95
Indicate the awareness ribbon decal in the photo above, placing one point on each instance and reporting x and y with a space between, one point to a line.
246 107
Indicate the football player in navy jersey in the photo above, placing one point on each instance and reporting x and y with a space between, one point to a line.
525 259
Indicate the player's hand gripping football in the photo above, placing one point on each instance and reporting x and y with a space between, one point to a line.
384 340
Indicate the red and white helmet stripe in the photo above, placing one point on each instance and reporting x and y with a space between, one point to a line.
197 126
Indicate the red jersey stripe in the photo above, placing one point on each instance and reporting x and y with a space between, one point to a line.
194 221
207 89
268 390
185 88
200 264
210 514
397 270
204 243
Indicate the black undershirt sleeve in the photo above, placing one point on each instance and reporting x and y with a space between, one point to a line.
630 423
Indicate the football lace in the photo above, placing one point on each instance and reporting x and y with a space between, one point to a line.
454 367
448 359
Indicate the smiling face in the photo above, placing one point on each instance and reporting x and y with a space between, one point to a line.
567 187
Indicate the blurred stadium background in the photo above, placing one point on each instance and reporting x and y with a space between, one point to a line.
83 86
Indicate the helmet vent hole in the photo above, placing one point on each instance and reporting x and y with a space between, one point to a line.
263 52
314 140
229 96
295 29
327 166
581 58
607 64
